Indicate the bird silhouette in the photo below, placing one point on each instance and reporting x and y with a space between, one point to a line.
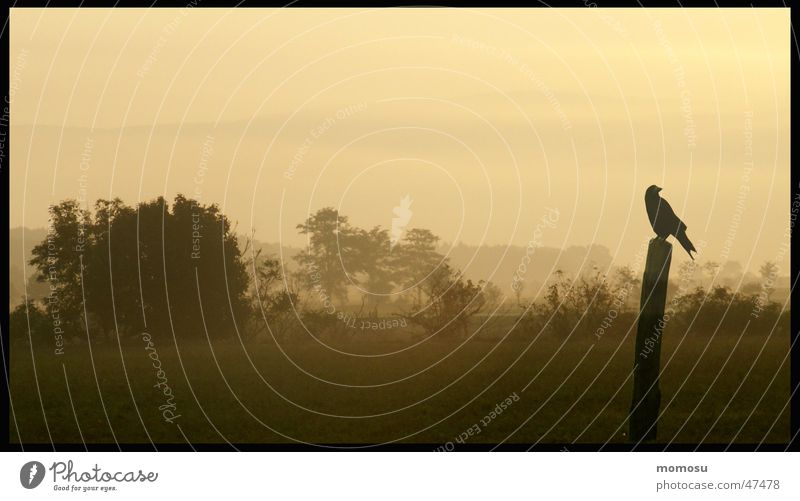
664 221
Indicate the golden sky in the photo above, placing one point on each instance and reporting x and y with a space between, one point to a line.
485 118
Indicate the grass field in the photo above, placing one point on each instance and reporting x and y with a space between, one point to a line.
715 389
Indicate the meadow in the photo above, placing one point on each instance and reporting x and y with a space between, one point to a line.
398 386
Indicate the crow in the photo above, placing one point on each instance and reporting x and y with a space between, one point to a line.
664 221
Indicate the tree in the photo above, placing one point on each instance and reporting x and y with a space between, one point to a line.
203 267
150 220
271 297
452 302
329 252
59 262
372 250
593 298
415 260
111 276
582 303
554 309
719 309
30 320
144 268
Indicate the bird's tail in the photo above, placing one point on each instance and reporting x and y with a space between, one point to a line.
686 243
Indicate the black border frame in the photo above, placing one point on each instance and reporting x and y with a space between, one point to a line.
794 193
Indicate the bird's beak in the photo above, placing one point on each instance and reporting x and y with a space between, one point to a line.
658 188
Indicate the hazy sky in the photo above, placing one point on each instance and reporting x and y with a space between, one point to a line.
485 118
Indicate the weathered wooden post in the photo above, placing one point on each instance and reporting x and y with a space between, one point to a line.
646 400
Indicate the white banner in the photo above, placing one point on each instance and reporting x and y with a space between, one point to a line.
399 475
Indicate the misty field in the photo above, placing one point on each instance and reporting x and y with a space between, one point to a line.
716 388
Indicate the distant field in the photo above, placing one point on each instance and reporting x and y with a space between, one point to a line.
569 390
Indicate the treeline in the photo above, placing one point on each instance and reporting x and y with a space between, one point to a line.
120 270
180 271
597 304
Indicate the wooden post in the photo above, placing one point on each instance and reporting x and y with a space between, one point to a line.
643 419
